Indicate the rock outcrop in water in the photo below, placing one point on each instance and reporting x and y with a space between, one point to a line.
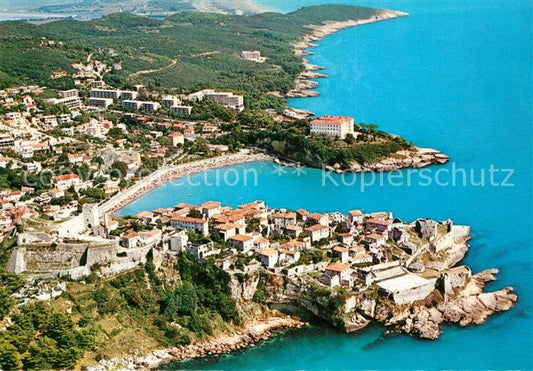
458 298
416 158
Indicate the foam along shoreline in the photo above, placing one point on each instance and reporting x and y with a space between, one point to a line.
168 174
304 82
248 336
416 158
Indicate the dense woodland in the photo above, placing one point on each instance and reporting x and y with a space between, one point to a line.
291 140
206 48
131 311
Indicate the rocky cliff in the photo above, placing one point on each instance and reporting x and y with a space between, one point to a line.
465 303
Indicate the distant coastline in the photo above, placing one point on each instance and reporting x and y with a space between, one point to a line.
229 6
34 14
304 83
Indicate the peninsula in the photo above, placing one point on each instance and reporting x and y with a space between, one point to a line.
94 114
213 279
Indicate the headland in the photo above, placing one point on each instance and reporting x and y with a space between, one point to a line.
304 82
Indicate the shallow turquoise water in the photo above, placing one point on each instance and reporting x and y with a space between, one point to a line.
455 76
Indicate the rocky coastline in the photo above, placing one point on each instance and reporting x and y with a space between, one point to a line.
304 82
415 158
471 306
250 335
456 297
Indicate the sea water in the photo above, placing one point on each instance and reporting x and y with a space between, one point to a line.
454 76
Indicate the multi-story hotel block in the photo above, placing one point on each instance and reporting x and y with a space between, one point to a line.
227 99
72 102
100 102
181 110
199 95
128 95
131 105
69 93
170 101
105 93
224 98
333 126
150 106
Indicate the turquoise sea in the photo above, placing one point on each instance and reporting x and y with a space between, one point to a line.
455 76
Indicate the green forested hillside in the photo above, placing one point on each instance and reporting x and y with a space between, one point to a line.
192 50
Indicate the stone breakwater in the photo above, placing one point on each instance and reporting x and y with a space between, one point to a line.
254 333
304 82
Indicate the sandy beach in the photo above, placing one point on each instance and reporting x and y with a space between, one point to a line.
170 173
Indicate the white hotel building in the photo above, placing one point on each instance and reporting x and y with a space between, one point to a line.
333 126
105 93
226 99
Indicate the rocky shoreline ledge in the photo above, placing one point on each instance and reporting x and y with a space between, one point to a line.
249 336
415 288
459 300
304 82
471 306
416 158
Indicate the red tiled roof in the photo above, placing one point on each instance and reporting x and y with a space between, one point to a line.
240 238
65 177
337 267
332 120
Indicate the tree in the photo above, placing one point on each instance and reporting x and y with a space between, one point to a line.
200 145
42 354
97 161
368 127
61 328
200 324
164 141
121 167
349 139
9 357
253 225
183 301
6 302
97 193
255 118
